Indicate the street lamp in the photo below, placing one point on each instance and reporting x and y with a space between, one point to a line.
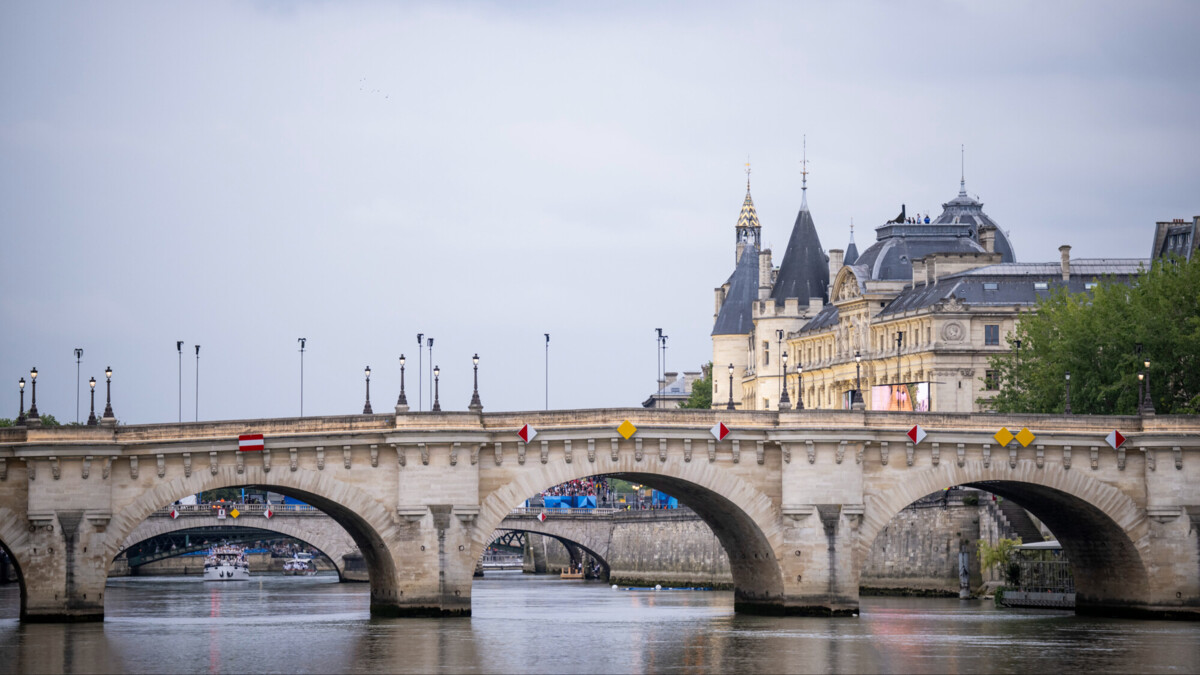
856 401
729 406
92 413
437 373
33 413
402 401
1067 410
420 372
21 416
1149 407
784 402
800 387
78 359
367 406
476 405
303 342
108 413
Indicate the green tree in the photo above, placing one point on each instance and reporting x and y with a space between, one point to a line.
1002 555
701 396
1094 337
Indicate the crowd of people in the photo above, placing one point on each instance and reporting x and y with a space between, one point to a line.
592 486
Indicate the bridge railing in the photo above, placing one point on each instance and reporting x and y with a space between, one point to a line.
534 510
210 510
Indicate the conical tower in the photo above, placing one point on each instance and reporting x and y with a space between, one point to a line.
804 272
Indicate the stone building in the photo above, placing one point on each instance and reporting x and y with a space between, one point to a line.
909 323
1176 237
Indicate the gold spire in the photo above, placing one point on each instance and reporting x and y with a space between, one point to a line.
747 174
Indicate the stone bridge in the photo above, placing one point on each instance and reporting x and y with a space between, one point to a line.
795 498
307 524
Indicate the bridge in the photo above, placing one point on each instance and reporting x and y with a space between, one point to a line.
795 497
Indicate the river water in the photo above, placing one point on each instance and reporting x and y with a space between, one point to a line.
527 624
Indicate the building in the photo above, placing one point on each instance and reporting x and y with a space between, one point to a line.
1176 237
910 323
674 389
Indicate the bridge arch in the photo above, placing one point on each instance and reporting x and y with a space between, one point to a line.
366 521
14 540
744 520
1102 531
598 552
333 547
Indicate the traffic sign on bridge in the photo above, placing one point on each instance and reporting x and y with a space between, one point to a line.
526 433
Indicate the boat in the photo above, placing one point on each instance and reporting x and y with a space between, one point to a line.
226 563
302 564
571 572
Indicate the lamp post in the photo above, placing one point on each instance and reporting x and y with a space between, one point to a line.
785 403
92 413
420 372
856 401
1141 406
729 406
402 401
303 342
21 415
179 350
800 386
429 344
108 412
198 382
78 359
547 371
476 405
1067 409
33 413
367 405
437 373
782 364
1149 407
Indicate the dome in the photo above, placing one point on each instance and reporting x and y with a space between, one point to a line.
967 210
890 258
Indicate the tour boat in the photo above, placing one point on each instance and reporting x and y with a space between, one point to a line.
300 565
226 563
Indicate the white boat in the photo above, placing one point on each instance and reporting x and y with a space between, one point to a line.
226 563
300 565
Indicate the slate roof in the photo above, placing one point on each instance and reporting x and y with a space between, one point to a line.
735 317
900 243
804 272
828 316
1012 283
965 209
851 251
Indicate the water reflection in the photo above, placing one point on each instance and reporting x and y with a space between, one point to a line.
543 624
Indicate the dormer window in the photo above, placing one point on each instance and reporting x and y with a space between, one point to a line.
1041 285
991 286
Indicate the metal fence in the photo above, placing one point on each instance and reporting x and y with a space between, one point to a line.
1047 576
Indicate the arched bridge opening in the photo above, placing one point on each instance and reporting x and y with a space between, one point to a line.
197 539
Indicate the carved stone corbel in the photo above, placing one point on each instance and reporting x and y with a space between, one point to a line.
908 453
962 453
187 465
797 512
55 468
687 450
133 467
615 449
293 460
499 448
1066 456
266 460
30 469
4 468
475 453
758 451
104 473
423 448
712 451
374 455
346 456
811 449
1178 452
987 455
737 451
546 451
241 462
1012 456
401 454
1039 457
1095 456
862 449
936 453
1121 458
591 451
637 449
786 451
1150 457
320 458
854 514
87 466
883 452
841 452
161 461
454 447
567 452
662 450
522 448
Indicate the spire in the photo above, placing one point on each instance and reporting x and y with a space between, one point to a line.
748 231
747 175
851 250
962 160
804 176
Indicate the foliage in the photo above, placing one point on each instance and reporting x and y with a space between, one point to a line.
229 494
5 422
971 500
1094 336
1003 554
48 420
701 396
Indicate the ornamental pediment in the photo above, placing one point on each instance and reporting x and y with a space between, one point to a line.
951 304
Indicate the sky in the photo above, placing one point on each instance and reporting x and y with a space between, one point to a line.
238 175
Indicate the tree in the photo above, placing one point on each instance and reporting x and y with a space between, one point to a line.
1001 555
701 396
46 418
1094 336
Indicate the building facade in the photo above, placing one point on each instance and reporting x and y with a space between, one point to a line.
908 324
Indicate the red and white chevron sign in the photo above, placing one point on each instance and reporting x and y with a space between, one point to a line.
526 433
174 514
916 434
720 431
542 517
1116 439
268 513
250 442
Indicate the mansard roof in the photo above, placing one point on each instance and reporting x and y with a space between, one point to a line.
735 317
890 258
804 272
965 209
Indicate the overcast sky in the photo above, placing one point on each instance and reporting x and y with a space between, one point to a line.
239 175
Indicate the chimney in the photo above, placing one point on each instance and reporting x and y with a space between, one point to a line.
719 292
764 274
836 256
987 238
1066 261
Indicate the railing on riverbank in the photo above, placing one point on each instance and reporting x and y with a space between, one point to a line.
211 510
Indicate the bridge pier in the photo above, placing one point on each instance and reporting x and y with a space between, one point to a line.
66 571
434 564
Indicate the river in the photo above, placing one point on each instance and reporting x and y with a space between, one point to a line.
528 624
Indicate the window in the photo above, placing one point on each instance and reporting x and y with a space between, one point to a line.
991 334
991 380
990 286
1090 285
1041 286
766 353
